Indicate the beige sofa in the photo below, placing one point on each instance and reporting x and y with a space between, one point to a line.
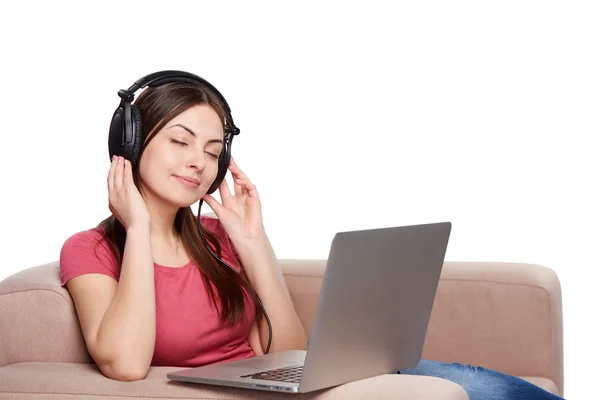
503 316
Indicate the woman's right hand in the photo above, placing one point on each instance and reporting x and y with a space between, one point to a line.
124 199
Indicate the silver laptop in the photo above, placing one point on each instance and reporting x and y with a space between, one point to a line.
371 317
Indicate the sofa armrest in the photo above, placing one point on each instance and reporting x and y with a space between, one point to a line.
502 316
38 321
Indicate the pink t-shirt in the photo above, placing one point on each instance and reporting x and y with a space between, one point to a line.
188 331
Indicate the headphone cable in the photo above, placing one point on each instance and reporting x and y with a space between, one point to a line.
233 269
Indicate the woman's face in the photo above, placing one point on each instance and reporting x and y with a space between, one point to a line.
187 147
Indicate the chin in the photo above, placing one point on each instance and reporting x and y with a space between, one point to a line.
182 200
185 202
185 197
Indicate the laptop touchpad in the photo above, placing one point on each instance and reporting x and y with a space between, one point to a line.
266 363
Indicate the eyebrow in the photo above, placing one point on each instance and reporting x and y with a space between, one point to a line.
191 132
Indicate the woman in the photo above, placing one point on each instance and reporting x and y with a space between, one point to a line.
147 291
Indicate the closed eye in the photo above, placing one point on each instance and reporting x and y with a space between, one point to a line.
215 156
178 142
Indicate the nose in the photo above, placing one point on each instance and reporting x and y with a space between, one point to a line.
197 160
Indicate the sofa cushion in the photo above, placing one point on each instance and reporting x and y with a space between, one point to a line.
85 381
544 383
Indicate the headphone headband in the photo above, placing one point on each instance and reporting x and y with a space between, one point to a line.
168 76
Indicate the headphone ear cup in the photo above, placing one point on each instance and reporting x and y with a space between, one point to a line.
136 117
116 133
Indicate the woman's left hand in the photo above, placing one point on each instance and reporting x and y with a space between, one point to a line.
240 214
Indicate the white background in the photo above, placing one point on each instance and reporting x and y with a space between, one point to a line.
352 115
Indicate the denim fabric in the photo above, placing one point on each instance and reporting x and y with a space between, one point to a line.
481 383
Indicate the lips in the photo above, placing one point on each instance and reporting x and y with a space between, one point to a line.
189 179
188 182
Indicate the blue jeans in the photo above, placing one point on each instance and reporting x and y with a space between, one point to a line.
481 383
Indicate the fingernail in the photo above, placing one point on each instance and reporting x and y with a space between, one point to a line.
113 158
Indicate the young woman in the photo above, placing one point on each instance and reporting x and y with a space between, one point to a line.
148 292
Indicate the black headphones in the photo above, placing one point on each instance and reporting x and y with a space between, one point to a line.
125 134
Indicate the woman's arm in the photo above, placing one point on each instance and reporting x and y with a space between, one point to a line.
260 265
241 218
118 320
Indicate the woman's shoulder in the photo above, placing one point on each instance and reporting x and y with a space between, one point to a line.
86 252
86 237
92 239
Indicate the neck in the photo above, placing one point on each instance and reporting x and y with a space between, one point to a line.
162 217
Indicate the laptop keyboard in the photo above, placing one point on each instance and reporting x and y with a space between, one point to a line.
287 374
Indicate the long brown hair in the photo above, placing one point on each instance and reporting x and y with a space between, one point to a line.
159 105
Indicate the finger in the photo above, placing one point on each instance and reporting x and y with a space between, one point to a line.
237 186
238 177
236 171
213 204
250 189
247 188
224 191
111 176
119 175
127 174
